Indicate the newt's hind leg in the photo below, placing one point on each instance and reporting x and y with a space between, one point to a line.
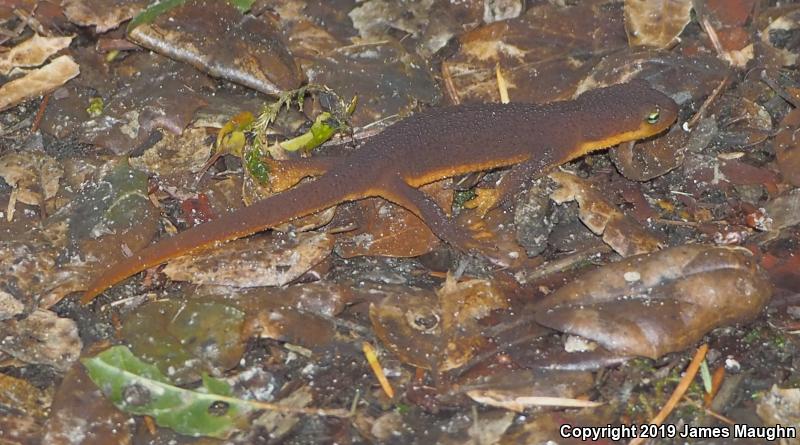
284 174
400 193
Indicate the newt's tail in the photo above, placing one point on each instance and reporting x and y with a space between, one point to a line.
302 200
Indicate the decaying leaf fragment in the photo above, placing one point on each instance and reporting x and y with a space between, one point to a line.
619 231
32 52
655 23
42 337
787 147
254 261
438 331
34 176
103 14
653 304
38 81
245 49
781 406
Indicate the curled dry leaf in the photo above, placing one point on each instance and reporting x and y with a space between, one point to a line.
621 232
439 331
32 52
262 260
653 304
42 338
38 82
656 23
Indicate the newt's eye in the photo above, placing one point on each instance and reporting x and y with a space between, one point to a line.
653 116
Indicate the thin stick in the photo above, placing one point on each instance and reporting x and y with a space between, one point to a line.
377 369
709 100
680 390
40 113
447 77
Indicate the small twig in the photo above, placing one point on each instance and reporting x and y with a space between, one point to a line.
779 90
449 87
711 413
564 263
712 35
40 113
680 390
502 85
377 369
710 99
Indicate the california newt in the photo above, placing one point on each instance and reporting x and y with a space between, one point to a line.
427 147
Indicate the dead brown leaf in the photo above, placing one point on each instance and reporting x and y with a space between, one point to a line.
387 229
645 160
247 50
38 82
31 52
176 155
42 338
522 389
787 147
34 176
78 411
441 331
104 15
544 53
262 260
621 232
656 23
662 302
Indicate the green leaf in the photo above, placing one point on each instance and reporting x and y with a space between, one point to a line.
140 388
156 9
705 374
243 5
153 11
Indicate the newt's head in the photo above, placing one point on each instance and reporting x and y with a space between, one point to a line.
624 112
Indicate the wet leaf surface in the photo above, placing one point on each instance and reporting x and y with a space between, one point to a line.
186 338
437 331
247 50
135 386
695 288
96 166
32 52
42 338
38 81
619 231
252 262
656 23
104 15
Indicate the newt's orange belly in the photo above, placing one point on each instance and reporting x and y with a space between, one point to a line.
416 179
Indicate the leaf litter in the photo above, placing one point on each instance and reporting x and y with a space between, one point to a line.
673 241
